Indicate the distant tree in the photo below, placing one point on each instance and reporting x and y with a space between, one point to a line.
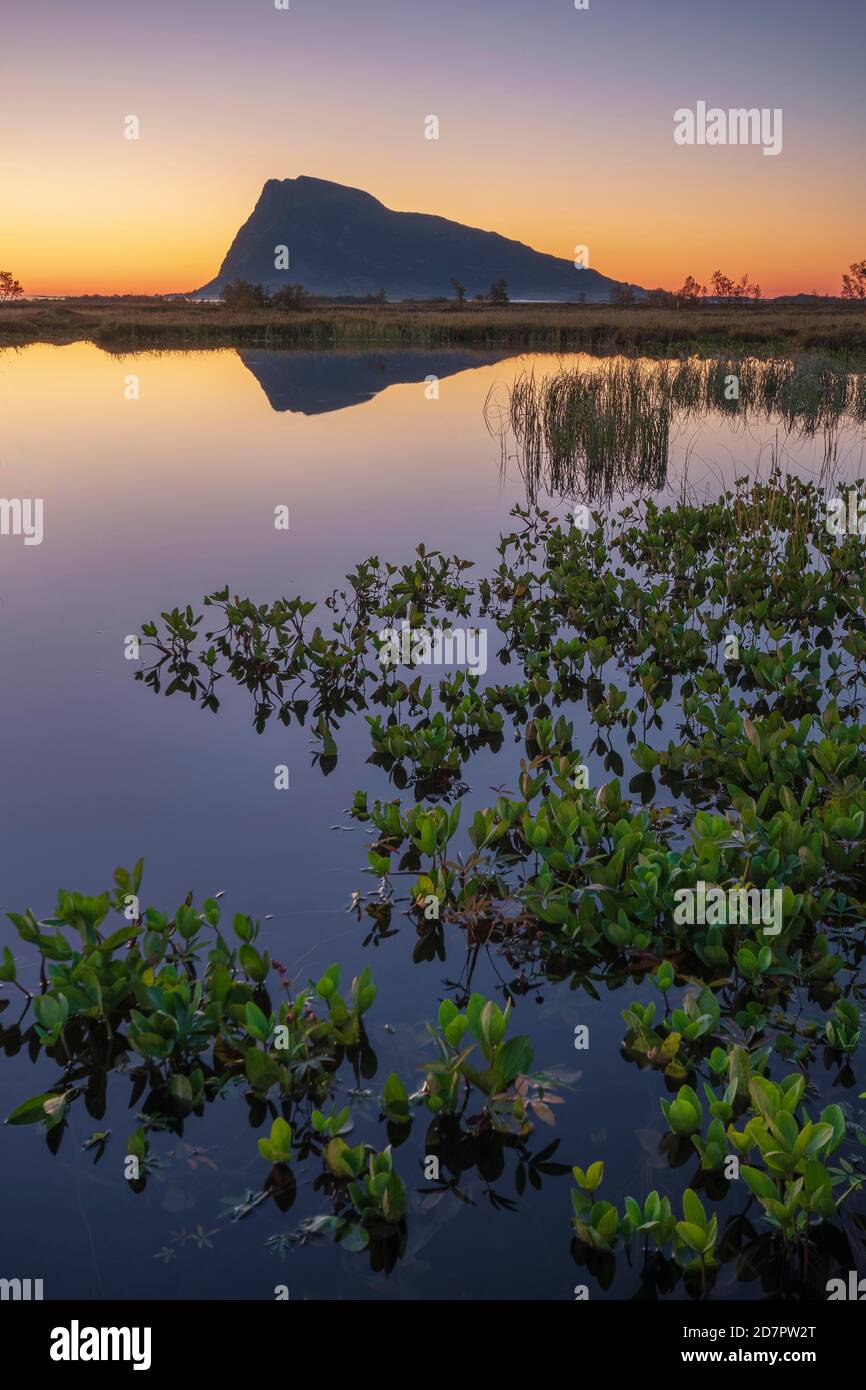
724 288
380 298
459 290
690 290
241 294
479 299
10 288
622 295
499 292
289 297
854 285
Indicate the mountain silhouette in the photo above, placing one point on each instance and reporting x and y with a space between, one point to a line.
314 383
343 242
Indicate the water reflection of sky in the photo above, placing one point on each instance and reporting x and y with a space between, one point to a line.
154 502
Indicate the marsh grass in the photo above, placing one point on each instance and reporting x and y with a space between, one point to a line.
611 425
602 328
809 395
587 430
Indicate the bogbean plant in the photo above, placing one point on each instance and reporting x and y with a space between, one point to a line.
294 674
600 875
190 1004
376 1191
447 1082
196 1011
600 1225
745 615
794 1184
843 1030
790 817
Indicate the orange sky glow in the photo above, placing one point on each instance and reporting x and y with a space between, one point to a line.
553 131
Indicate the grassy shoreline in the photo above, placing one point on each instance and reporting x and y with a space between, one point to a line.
137 325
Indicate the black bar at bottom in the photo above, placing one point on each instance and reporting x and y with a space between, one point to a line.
65 1339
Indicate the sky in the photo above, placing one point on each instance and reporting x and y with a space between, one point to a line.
555 127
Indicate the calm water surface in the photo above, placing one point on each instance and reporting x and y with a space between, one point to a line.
154 502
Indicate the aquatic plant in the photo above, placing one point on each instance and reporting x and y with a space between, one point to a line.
198 1025
395 1101
712 772
345 1020
507 1107
376 1191
600 1225
330 1126
794 1185
843 1030
684 1114
277 1148
592 429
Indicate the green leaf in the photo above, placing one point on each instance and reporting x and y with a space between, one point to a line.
119 938
257 1024
395 1100
277 1149
30 1112
695 1236
757 1182
262 1071
594 1175
447 1012
328 984
254 965
492 1025
834 1117
813 1139
181 1090
693 1210
514 1058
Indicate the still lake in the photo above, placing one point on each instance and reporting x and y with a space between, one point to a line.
151 503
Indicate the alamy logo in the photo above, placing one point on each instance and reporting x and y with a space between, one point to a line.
847 515
75 1343
713 907
855 1291
456 646
22 516
737 126
21 1290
